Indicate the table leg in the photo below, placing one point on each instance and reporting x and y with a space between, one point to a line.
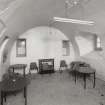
25 95
1 98
5 96
84 81
75 76
24 71
94 80
13 69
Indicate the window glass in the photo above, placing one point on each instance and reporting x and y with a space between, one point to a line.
66 47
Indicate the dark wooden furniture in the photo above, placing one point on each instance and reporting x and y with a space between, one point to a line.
63 65
87 71
81 68
74 67
18 67
12 85
46 66
33 67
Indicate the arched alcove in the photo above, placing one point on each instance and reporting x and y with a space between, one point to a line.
42 42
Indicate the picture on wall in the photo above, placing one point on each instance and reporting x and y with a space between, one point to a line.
21 48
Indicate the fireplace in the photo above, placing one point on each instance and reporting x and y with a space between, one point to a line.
46 66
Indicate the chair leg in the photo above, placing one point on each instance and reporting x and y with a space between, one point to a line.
37 70
60 69
29 72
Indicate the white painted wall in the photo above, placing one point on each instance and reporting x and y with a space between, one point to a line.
87 53
42 42
3 66
85 44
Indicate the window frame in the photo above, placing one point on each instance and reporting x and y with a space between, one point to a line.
19 47
97 44
66 47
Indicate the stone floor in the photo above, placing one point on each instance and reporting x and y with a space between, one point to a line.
60 89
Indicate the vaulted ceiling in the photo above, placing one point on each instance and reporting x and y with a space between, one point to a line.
33 13
5 4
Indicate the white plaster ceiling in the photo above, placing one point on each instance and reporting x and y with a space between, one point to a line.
35 13
5 4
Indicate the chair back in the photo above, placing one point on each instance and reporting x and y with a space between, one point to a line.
63 63
33 65
75 65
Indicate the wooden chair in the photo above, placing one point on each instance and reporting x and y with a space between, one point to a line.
63 66
33 67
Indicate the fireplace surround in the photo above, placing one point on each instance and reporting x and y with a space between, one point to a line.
46 66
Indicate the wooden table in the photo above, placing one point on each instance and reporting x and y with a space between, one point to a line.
86 71
12 85
18 67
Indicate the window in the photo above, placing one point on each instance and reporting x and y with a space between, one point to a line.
97 43
66 48
21 48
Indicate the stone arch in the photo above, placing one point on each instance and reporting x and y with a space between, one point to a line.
65 35
9 45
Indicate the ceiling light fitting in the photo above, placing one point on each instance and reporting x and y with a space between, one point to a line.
68 5
71 3
59 19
